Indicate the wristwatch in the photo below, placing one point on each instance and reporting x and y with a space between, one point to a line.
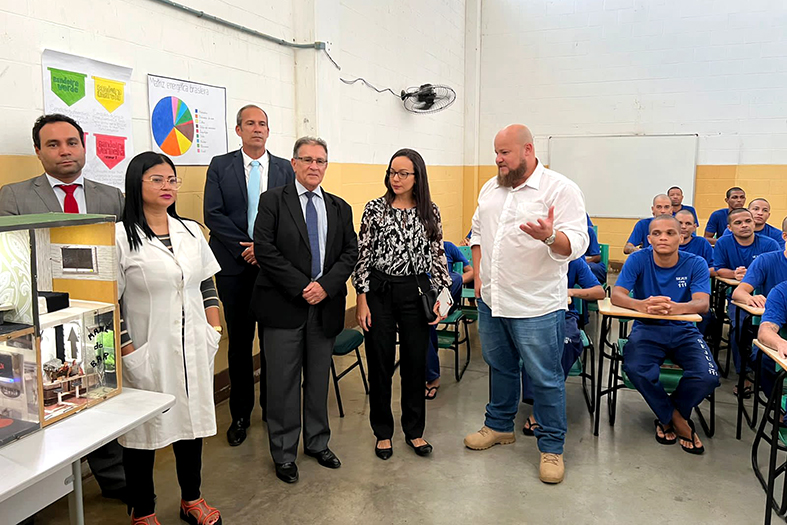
219 329
549 241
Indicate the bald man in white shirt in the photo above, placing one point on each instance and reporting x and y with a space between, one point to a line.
530 222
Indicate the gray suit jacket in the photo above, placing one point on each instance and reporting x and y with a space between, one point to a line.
37 196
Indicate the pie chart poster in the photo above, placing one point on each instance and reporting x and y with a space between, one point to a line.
187 120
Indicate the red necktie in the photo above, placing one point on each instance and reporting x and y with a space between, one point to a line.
70 203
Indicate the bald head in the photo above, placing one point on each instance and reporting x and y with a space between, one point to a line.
516 156
517 133
662 205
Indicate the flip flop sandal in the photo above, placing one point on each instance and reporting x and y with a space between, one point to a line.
205 513
431 392
747 391
145 520
529 428
694 449
663 439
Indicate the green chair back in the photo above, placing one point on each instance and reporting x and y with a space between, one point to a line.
669 374
467 252
595 229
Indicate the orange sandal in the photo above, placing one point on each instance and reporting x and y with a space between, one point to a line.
146 520
199 513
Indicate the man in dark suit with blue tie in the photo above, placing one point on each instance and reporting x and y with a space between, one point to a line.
232 193
305 243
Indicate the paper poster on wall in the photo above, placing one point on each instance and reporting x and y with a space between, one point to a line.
187 120
97 95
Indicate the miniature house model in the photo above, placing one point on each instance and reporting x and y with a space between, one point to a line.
59 337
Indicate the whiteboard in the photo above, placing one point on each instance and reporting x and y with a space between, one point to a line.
620 175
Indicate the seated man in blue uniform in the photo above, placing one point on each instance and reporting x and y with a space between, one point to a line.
593 257
675 195
662 205
590 289
717 223
732 256
700 247
452 255
689 242
761 211
774 318
666 281
764 274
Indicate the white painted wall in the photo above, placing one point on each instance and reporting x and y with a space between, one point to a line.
713 67
398 45
150 38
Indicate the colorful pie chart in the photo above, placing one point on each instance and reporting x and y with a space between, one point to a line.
173 126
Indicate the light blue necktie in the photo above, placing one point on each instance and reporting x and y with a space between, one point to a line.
254 195
314 234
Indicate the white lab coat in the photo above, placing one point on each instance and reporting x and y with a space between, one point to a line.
156 288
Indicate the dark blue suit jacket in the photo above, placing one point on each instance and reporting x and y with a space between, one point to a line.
226 202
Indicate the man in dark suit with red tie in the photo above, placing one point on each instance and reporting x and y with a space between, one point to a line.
232 192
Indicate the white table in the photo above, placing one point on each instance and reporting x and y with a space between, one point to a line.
42 467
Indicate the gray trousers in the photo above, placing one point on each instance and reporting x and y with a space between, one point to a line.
288 352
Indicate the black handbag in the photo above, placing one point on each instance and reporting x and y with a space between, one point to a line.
428 298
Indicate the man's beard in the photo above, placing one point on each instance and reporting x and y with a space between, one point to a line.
514 176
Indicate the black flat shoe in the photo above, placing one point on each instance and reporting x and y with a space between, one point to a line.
423 450
326 458
383 453
287 472
236 434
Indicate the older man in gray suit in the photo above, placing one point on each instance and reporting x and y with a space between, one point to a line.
60 146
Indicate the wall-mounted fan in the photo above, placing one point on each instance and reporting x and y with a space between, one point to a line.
428 98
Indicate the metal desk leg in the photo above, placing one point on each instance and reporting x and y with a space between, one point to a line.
742 374
769 503
76 508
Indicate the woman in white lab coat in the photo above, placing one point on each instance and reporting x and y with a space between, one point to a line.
170 334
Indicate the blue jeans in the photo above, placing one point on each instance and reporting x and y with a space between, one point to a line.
538 342
572 349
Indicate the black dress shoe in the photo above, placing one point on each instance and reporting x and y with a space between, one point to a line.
287 472
423 450
236 434
326 458
383 453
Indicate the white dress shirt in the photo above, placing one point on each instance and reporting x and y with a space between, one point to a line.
79 193
322 216
264 162
522 277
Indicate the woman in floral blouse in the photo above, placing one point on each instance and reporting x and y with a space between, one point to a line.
400 242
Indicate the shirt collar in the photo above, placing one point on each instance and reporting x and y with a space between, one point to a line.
302 189
55 183
247 160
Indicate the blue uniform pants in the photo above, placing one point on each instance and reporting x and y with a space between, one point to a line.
572 349
599 271
647 348
432 358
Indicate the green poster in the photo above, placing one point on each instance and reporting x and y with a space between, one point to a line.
68 85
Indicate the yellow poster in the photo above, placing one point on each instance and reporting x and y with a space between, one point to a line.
109 93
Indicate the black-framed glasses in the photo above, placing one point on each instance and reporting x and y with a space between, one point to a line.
308 161
158 182
401 174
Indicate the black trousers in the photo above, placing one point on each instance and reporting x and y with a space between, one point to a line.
235 292
394 302
139 474
106 463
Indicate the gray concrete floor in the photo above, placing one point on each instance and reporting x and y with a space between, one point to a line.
622 476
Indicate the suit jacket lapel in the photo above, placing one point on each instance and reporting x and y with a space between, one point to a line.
332 214
290 195
92 197
44 190
273 171
240 176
